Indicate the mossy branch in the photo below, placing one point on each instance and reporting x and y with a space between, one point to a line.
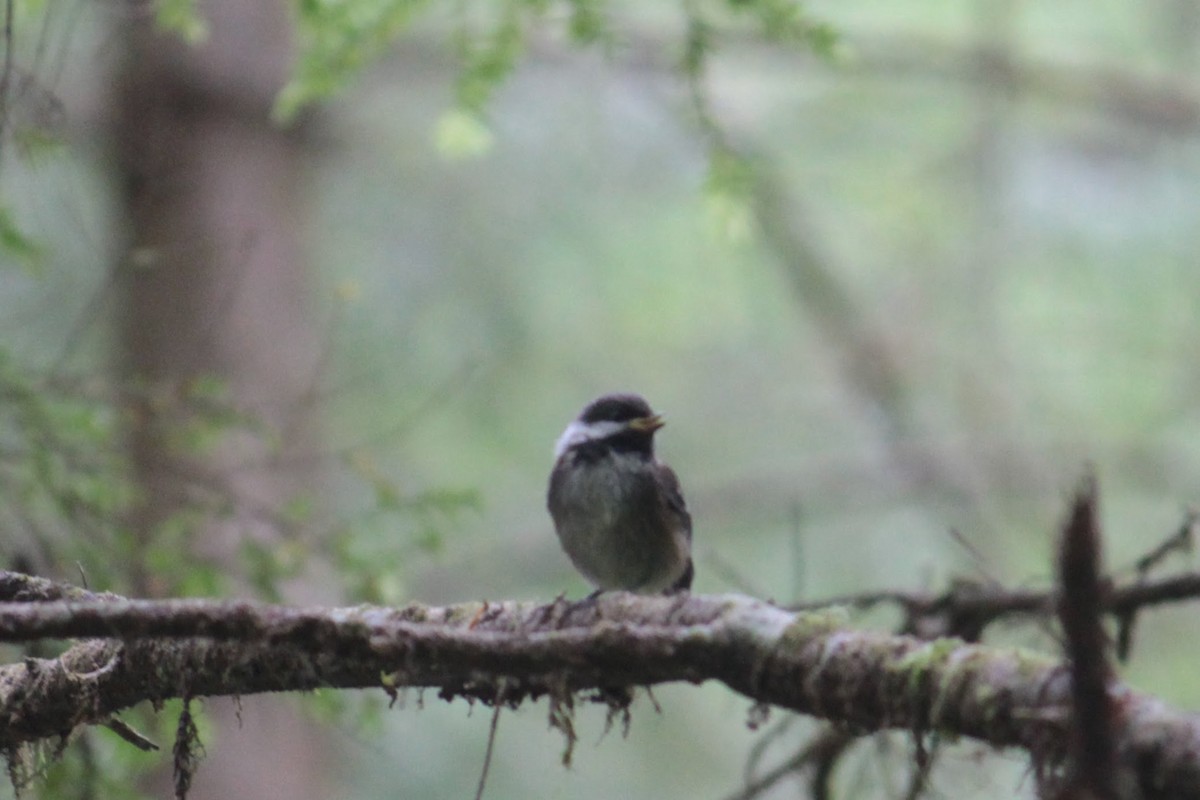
808 662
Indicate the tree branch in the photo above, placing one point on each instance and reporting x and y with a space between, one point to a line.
1093 773
968 607
155 650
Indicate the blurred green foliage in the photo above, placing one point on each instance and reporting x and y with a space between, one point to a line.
17 245
337 39
182 17
1011 250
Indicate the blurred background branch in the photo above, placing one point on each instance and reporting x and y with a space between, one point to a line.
295 298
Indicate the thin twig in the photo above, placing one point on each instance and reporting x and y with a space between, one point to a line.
491 742
1180 541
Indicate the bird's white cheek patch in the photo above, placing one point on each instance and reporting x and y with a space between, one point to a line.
579 432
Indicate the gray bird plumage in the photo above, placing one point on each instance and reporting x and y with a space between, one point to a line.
618 511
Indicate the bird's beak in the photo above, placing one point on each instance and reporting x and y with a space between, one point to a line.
648 424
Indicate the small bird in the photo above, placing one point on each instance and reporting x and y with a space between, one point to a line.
618 510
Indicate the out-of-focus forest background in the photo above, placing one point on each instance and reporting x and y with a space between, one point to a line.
956 267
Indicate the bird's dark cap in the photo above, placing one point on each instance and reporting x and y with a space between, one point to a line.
616 408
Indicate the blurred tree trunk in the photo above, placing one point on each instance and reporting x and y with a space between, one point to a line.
215 287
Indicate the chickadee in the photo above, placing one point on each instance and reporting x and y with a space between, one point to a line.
618 510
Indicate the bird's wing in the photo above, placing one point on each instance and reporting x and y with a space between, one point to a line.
673 497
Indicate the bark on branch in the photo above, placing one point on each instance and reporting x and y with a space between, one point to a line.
155 650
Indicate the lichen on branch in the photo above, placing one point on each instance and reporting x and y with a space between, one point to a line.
809 662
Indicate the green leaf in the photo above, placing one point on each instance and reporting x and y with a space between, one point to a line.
729 195
14 242
461 134
488 59
337 39
588 24
181 17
